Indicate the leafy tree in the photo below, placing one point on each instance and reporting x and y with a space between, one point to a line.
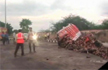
8 26
47 30
81 23
2 24
24 24
105 24
15 30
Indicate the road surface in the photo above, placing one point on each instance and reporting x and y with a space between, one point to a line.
47 57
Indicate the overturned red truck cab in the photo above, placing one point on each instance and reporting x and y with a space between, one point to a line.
71 30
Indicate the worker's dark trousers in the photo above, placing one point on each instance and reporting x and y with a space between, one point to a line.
17 47
7 40
32 44
3 41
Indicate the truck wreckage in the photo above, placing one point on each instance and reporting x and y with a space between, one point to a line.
70 37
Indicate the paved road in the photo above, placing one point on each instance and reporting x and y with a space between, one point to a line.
47 57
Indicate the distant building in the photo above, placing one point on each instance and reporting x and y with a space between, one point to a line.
90 31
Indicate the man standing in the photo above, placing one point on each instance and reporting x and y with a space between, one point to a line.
20 42
14 38
3 38
31 40
7 38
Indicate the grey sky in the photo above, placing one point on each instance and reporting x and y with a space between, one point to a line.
43 12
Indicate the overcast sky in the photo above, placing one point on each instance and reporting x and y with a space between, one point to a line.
43 12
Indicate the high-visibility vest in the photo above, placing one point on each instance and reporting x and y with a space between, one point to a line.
20 38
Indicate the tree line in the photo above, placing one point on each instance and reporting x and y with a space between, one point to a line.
80 22
24 25
8 26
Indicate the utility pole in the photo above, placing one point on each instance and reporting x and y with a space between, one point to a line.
5 14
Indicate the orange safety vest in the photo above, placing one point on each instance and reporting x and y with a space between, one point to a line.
20 38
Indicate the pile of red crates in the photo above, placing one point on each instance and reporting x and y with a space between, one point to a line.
81 43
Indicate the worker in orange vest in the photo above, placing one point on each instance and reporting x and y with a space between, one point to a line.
20 42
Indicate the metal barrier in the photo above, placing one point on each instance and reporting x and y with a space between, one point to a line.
52 40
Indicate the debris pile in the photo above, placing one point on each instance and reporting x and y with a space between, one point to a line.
70 37
86 43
